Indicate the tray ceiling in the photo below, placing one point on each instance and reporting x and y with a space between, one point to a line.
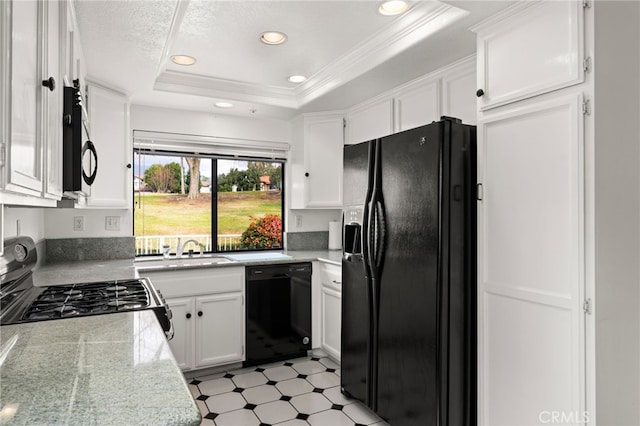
347 50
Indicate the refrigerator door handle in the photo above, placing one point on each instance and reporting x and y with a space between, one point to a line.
370 237
380 234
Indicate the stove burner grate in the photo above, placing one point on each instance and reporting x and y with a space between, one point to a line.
86 299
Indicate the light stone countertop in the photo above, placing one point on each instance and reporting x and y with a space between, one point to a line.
84 271
114 369
107 270
105 369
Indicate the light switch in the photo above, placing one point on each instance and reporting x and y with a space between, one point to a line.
112 223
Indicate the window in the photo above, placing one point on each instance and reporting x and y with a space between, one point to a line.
221 204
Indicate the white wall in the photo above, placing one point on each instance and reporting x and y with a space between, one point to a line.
31 222
208 124
58 223
617 209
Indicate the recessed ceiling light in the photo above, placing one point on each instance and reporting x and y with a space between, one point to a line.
297 78
393 7
273 37
183 59
224 104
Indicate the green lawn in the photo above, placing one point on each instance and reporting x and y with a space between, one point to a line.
173 214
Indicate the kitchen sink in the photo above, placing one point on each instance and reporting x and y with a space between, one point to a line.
174 262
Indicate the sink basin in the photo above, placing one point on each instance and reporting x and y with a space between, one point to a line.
258 256
173 262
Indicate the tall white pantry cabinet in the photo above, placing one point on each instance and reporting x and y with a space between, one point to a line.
559 214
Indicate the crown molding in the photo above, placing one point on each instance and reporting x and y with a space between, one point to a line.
200 85
508 12
416 25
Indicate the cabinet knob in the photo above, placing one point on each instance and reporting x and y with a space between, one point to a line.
306 174
479 93
129 166
50 83
199 313
188 315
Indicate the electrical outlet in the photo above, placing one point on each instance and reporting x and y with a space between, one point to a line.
78 223
112 223
298 221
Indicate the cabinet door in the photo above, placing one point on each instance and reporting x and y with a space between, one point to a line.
532 48
459 94
323 144
109 124
531 263
24 157
183 320
370 122
330 311
418 106
53 104
219 329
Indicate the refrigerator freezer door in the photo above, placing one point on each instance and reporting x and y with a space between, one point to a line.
355 176
355 345
409 337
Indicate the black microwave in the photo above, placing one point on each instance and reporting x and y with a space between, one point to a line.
79 156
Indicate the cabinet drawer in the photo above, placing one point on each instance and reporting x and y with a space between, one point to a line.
193 282
331 275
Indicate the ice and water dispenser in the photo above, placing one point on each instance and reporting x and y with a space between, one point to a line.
352 231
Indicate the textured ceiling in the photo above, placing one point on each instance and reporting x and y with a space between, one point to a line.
349 50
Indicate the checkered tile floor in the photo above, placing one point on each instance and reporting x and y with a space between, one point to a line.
304 391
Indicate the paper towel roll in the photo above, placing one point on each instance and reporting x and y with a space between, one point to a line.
335 235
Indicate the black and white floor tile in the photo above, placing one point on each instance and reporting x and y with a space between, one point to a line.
304 391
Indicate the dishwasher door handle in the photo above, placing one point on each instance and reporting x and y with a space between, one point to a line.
282 276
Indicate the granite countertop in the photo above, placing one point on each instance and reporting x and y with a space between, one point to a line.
114 369
106 270
84 271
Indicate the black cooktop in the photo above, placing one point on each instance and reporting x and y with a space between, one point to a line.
87 298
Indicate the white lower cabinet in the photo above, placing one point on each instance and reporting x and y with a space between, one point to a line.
183 331
208 314
330 308
219 329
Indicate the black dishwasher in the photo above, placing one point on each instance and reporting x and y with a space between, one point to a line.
278 312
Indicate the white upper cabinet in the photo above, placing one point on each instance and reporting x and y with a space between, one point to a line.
417 106
458 93
530 49
370 121
31 100
447 91
28 69
53 105
321 166
109 118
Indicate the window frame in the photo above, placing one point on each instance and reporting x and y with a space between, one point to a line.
137 151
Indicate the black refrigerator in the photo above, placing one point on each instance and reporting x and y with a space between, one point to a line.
409 275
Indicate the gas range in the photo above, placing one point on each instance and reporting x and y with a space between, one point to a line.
22 302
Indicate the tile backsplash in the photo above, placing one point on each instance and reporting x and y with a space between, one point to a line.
70 249
314 240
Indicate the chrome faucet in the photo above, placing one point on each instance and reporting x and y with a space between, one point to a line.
181 247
